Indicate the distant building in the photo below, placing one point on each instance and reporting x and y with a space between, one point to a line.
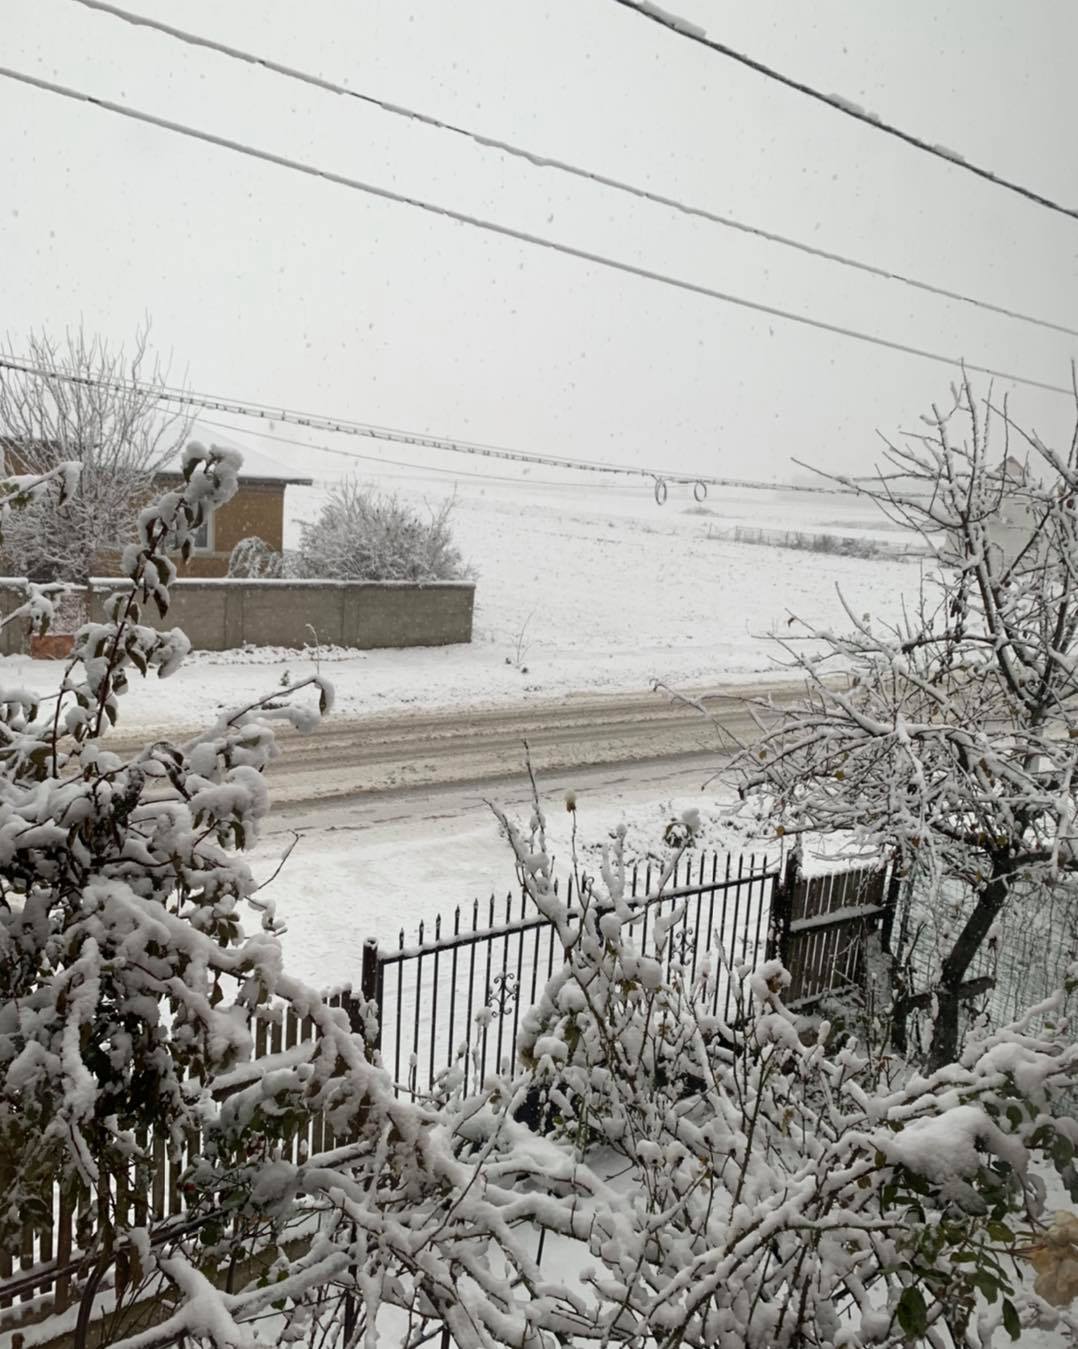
1012 527
256 509
1013 472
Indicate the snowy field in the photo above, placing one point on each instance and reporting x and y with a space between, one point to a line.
580 587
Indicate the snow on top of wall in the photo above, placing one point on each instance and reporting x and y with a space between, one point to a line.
317 583
196 582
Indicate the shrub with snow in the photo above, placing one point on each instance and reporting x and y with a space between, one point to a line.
362 535
119 916
768 1186
253 557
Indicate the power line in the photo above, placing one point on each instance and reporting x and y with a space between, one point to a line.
344 426
380 459
341 426
543 161
518 235
682 28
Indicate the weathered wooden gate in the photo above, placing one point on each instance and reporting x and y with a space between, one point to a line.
819 926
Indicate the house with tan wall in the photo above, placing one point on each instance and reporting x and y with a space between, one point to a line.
257 510
219 612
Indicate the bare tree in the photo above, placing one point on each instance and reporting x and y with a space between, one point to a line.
79 400
955 744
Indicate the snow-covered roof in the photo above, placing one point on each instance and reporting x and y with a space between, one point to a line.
258 466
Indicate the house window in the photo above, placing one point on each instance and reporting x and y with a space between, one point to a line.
201 538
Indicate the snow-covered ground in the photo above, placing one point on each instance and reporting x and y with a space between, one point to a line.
376 878
586 586
580 586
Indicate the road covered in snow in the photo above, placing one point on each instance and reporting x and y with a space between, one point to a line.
349 758
389 820
373 864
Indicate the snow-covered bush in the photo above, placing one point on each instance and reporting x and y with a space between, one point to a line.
363 535
950 739
126 984
119 890
768 1186
253 557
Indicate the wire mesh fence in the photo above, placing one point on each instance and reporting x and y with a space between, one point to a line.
1024 959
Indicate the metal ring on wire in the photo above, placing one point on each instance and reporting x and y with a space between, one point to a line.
661 491
699 491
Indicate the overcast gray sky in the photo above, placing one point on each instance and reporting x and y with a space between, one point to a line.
277 288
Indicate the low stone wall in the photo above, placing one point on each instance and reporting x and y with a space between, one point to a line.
219 614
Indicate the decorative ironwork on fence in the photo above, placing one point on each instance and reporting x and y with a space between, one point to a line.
455 994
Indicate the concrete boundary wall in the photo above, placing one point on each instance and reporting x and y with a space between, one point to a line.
221 613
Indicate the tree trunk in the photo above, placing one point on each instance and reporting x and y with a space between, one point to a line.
949 994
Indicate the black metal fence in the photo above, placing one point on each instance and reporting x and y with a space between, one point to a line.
456 995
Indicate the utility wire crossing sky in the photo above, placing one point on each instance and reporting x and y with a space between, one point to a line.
673 250
321 422
848 109
477 222
544 161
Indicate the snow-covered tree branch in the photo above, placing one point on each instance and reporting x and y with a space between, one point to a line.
79 401
954 744
769 1181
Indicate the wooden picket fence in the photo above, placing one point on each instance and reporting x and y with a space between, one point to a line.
48 1272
